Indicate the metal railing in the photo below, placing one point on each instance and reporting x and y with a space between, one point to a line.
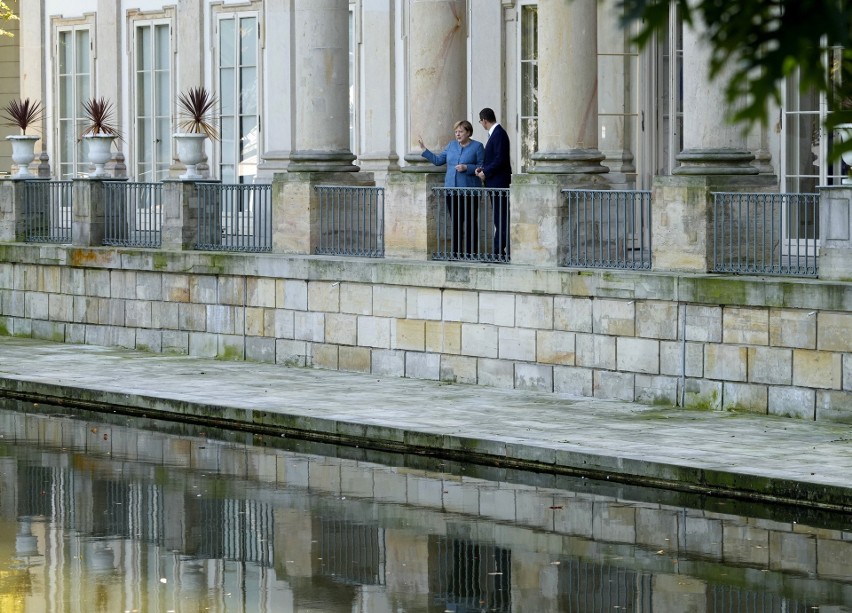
766 233
133 214
234 217
472 224
47 211
608 228
351 220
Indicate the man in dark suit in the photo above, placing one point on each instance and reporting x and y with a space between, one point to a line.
496 171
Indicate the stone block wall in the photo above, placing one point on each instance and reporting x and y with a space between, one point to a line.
768 346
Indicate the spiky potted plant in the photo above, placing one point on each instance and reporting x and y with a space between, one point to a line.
22 114
99 133
196 122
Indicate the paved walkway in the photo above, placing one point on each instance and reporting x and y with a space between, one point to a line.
757 457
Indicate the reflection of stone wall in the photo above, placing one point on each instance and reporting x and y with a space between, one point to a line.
323 506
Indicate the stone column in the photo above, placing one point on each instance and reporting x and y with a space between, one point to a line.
616 70
568 88
279 89
711 145
437 75
378 91
321 54
567 154
33 78
108 77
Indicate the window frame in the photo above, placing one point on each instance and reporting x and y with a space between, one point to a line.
78 164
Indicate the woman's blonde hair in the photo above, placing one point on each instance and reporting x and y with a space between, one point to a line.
464 123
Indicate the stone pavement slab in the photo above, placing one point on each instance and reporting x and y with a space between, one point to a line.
751 456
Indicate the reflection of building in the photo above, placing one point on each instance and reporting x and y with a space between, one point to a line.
122 524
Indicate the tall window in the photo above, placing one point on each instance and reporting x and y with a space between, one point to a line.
670 102
73 87
153 96
529 84
238 91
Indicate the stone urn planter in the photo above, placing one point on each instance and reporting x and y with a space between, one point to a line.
23 152
190 153
99 152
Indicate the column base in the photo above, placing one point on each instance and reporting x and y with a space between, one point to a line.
322 161
574 161
715 162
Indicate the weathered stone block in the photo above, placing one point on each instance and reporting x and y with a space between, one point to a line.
595 351
231 291
725 362
533 311
443 337
389 301
768 365
460 305
792 402
256 322
291 294
341 329
260 349
122 284
323 355
260 292
516 344
533 377
656 528
656 389
703 394
572 314
60 308
792 328
675 358
137 314
834 331
834 406
608 384
149 286
703 324
573 380
203 289
821 369
324 296
374 331
497 309
388 363
220 319
149 340
291 352
284 322
657 319
357 359
496 373
192 317
176 288
309 326
356 298
458 369
422 365
745 545
423 303
745 397
745 326
479 340
175 341
555 347
408 334
37 305
638 355
614 317
203 345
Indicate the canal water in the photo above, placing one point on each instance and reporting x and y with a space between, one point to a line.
101 513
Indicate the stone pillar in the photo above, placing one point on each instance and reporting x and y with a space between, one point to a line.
33 78
87 217
181 207
321 54
616 70
279 88
12 227
835 233
296 207
711 145
682 217
378 92
567 155
568 98
437 76
410 217
189 55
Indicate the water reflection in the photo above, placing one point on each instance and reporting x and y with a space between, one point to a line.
101 516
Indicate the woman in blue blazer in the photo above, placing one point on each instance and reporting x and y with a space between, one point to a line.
462 157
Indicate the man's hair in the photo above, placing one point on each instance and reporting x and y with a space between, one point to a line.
488 115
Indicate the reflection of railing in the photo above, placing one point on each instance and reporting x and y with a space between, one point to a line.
47 211
351 220
471 576
230 529
771 234
352 552
234 217
608 228
587 586
133 214
727 599
472 224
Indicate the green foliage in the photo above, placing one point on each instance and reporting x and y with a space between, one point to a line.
6 14
22 113
761 42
